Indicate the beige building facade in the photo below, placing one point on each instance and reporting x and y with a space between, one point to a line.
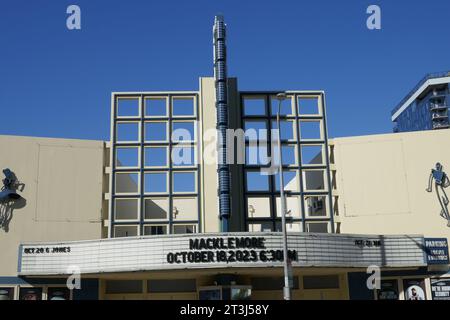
395 168
134 223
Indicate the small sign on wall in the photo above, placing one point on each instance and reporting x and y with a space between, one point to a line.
440 289
436 250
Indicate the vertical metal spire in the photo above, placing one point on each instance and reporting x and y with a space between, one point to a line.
220 75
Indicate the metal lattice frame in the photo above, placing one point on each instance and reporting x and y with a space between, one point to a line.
140 222
272 193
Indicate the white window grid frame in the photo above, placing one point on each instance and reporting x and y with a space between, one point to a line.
273 107
276 181
186 224
167 184
154 146
310 222
313 165
185 97
180 120
123 224
121 121
138 213
156 221
194 146
257 120
180 197
167 118
299 118
157 97
295 129
255 97
128 147
195 191
310 120
290 223
289 215
296 158
327 209
255 170
309 115
324 179
156 121
149 225
123 172
138 98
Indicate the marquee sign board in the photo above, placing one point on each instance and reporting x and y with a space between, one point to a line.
220 250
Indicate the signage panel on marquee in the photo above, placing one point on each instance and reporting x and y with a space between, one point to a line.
436 250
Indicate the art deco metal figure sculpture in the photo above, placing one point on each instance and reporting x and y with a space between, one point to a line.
441 181
9 198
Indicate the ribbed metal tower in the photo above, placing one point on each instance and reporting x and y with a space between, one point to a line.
220 75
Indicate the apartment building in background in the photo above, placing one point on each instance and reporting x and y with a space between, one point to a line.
426 105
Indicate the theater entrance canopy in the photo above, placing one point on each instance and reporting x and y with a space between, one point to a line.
220 251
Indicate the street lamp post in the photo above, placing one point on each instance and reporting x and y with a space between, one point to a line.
287 286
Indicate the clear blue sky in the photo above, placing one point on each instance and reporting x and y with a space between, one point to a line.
56 83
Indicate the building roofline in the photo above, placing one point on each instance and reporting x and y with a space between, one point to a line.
196 92
152 92
313 92
52 139
387 135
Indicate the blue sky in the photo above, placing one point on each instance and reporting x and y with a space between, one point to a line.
56 83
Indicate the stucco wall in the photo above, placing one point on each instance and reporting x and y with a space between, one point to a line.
382 181
62 192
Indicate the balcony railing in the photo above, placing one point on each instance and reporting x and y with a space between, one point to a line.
440 125
437 116
437 106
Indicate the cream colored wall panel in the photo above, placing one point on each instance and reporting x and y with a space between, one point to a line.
420 152
22 156
68 180
371 168
209 180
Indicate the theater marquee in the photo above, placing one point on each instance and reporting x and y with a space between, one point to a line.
261 249
229 250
